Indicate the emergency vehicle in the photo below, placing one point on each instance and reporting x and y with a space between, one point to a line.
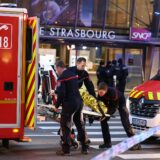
144 105
18 73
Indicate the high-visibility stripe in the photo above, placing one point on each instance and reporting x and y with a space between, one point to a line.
29 103
150 96
138 94
31 65
67 79
158 95
30 95
32 121
31 77
31 117
133 93
30 68
31 74
30 110
30 87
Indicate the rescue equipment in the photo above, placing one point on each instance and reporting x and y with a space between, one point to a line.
91 102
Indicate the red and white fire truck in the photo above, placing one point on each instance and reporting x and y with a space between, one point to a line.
18 72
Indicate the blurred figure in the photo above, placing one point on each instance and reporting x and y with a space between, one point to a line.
100 72
122 76
108 76
113 73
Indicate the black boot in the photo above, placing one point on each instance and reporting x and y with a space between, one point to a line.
135 147
62 153
85 149
102 146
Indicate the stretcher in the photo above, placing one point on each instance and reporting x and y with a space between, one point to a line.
48 112
92 108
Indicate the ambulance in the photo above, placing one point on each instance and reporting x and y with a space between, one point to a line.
18 73
144 105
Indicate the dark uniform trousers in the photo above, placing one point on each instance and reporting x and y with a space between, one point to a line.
121 85
72 112
124 115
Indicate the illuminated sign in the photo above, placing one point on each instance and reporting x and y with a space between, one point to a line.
78 33
5 36
140 34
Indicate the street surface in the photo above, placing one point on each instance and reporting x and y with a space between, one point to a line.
45 142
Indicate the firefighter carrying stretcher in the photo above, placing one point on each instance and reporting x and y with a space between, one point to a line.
114 99
69 97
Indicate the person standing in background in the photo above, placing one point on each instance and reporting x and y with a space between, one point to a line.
122 76
100 72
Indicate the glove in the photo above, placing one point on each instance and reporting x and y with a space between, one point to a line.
54 110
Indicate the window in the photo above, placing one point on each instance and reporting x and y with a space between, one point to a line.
118 13
91 13
143 13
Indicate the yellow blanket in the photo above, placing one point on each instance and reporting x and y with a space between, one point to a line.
91 102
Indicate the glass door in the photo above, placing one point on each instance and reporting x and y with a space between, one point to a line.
133 59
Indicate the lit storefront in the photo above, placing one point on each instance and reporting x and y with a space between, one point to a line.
101 30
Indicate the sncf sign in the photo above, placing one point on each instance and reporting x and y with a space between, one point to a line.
140 34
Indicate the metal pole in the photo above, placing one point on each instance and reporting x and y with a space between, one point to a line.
132 11
105 14
76 18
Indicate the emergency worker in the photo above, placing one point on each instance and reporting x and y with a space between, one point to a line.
114 72
69 97
83 76
113 100
108 74
100 73
122 76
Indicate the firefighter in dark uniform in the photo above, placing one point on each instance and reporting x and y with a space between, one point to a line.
114 99
122 77
69 97
83 76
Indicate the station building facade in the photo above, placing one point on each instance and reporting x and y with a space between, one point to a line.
101 30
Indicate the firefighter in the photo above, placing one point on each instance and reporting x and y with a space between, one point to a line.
122 76
69 97
83 76
113 100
